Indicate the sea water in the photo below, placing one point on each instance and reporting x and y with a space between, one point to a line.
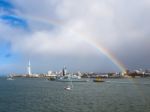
41 95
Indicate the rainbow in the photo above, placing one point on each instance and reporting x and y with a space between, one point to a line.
84 37
103 50
110 55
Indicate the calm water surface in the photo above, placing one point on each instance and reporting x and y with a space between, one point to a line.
40 95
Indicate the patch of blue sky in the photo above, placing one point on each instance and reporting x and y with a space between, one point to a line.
6 6
14 21
9 17
9 58
6 54
5 48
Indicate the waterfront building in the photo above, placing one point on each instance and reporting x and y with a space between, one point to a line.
51 74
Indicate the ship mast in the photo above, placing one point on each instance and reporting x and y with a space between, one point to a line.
64 71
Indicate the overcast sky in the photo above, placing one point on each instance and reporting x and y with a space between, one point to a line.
48 32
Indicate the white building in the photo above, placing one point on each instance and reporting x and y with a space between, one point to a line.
51 74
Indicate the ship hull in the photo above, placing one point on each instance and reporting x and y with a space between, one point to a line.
71 80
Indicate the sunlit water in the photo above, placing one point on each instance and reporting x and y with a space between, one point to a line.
40 95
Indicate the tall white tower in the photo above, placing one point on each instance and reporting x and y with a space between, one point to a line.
29 68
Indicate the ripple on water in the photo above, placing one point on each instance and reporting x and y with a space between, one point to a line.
37 95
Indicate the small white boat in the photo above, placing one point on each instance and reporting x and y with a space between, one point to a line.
67 88
10 78
70 85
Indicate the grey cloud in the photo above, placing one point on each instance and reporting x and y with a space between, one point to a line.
122 26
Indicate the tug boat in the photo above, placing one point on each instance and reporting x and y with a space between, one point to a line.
98 79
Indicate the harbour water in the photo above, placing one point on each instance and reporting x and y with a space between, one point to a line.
41 95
